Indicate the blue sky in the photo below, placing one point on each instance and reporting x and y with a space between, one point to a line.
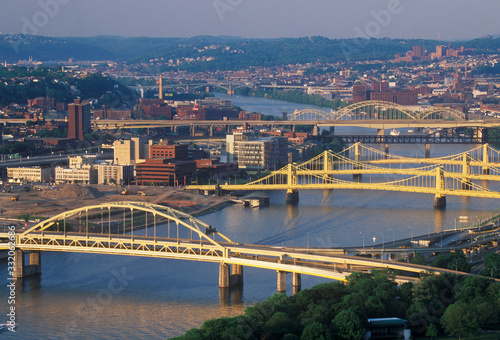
428 19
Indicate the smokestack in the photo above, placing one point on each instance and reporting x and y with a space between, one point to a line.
160 85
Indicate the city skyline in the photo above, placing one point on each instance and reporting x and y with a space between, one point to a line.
424 19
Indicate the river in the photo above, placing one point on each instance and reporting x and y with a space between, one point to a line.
86 296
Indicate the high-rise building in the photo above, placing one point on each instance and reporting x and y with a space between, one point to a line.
359 93
418 51
130 151
78 119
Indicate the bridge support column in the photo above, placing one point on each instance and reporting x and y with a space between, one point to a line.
36 262
466 183
357 177
281 282
21 270
236 275
192 130
380 132
332 129
292 196
427 152
440 202
18 264
218 190
315 130
386 150
296 283
224 275
211 130
486 160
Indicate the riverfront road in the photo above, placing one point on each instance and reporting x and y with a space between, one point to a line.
36 160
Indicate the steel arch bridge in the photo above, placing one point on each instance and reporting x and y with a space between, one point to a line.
208 245
374 109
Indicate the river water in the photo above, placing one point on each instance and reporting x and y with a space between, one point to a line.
86 296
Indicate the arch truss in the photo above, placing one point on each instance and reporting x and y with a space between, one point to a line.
107 219
375 109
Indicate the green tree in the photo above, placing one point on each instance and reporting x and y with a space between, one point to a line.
432 331
315 331
454 261
278 325
459 320
348 325
418 259
492 265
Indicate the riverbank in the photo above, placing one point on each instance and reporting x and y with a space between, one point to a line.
57 199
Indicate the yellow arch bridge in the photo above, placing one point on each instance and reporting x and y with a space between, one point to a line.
112 229
451 175
376 109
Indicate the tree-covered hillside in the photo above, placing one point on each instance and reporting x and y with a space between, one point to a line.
218 53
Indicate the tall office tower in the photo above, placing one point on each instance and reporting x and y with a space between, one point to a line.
78 119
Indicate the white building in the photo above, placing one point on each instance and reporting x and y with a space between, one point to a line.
87 174
79 161
119 174
31 174
131 151
263 153
232 145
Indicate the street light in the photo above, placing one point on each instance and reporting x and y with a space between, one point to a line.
383 247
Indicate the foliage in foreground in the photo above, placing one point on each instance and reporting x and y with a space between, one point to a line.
436 304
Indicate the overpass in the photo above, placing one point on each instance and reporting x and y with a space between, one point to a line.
109 229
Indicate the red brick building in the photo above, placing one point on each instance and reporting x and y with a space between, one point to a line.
106 113
78 119
155 108
173 151
164 171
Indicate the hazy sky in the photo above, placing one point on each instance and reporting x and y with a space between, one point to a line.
451 19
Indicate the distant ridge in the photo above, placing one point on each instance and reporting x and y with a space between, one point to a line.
222 52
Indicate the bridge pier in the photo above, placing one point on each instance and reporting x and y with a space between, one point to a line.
486 159
386 150
21 270
281 282
440 202
427 152
466 184
224 275
296 283
292 196
211 130
357 177
236 275
380 132
315 130
332 129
